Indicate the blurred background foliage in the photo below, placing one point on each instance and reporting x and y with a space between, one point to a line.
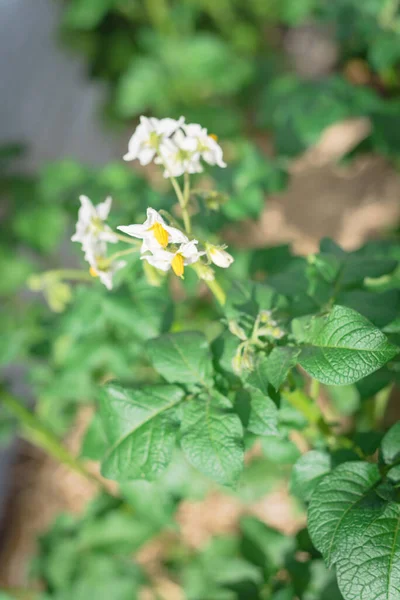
230 64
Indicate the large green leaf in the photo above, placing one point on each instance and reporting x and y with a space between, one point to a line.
355 522
337 501
343 347
212 437
370 567
141 426
182 357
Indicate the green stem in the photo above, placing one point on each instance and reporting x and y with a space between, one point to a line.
74 274
171 220
217 290
381 403
159 16
36 432
183 198
186 199
122 253
213 285
183 204
299 400
186 188
20 593
126 238
314 389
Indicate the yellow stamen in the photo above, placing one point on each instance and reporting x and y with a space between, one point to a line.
178 265
93 272
160 234
214 137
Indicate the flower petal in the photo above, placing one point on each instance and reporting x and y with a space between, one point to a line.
138 231
103 209
175 235
160 262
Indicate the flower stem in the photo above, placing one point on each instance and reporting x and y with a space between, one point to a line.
74 274
122 253
217 291
125 238
305 405
186 198
213 286
183 202
36 432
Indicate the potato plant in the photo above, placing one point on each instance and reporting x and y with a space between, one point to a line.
193 355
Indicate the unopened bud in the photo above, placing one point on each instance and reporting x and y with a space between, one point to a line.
205 272
219 256
237 331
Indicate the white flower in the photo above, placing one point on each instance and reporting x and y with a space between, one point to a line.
186 254
154 232
100 265
179 155
219 256
90 226
207 145
148 136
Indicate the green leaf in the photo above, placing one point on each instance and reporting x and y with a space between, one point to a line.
394 474
14 272
280 450
391 445
141 426
247 297
182 357
41 226
258 378
86 14
342 497
151 501
308 472
369 568
212 437
94 443
139 87
263 418
279 363
264 546
151 306
343 347
379 308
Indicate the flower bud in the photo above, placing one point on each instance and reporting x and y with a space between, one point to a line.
205 272
219 256
237 331
244 359
265 316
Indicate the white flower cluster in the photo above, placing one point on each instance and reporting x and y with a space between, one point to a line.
157 236
177 146
166 247
94 234
180 148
